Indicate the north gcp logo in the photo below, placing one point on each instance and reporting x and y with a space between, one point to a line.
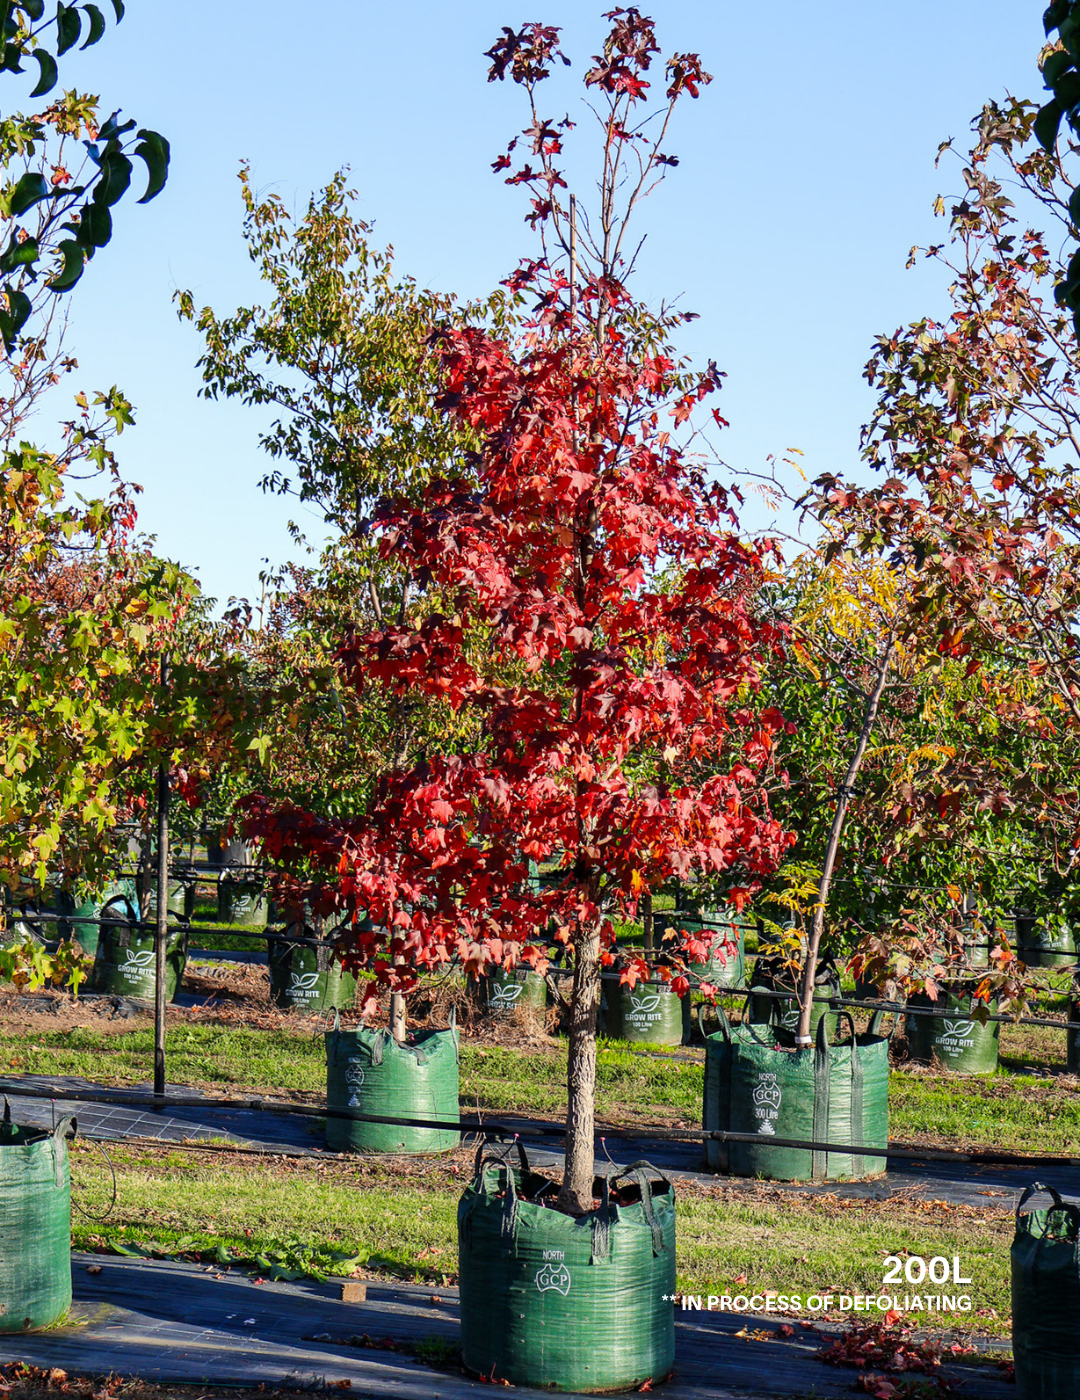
553 1276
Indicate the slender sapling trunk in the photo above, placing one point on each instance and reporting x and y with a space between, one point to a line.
873 701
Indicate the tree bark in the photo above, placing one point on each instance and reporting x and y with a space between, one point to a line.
806 995
397 1012
576 1194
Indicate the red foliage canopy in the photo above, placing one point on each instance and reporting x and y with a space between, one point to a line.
587 596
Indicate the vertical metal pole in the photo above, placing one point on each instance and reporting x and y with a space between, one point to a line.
162 934
573 262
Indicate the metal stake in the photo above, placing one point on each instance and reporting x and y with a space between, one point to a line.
162 932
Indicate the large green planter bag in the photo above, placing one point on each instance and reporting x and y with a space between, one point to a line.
955 1037
1046 941
241 902
830 1094
567 1303
369 1072
781 1013
649 1013
513 989
306 978
35 1224
1046 1299
125 961
726 964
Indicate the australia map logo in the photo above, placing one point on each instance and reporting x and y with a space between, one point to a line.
767 1096
354 1078
553 1276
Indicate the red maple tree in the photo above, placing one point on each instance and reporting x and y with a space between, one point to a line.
585 593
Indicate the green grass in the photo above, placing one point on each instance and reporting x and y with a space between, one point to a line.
398 1218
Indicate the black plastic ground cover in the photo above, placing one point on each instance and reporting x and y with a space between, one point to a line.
267 1132
957 1183
186 1323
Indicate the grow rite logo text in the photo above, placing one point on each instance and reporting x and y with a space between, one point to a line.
553 1275
302 985
767 1096
504 995
956 1036
137 964
644 1007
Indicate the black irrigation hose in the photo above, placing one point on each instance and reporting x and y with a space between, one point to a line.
901 1009
530 1129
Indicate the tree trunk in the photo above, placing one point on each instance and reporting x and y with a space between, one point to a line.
397 1011
576 1195
806 995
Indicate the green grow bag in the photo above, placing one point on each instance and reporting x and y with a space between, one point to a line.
306 978
1072 1035
955 1037
831 1094
781 1014
124 964
82 916
241 902
513 989
35 1224
567 1303
369 1072
179 901
1045 1259
1046 941
726 965
650 1013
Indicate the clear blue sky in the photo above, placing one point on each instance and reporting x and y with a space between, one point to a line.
807 172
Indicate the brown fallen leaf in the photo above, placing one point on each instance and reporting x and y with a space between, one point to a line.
93 1268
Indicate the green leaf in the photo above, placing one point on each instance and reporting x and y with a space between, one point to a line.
34 9
31 188
95 227
1074 206
1056 64
50 73
1067 90
18 255
115 178
113 128
154 150
97 24
1047 123
1054 14
16 316
74 264
118 6
68 28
